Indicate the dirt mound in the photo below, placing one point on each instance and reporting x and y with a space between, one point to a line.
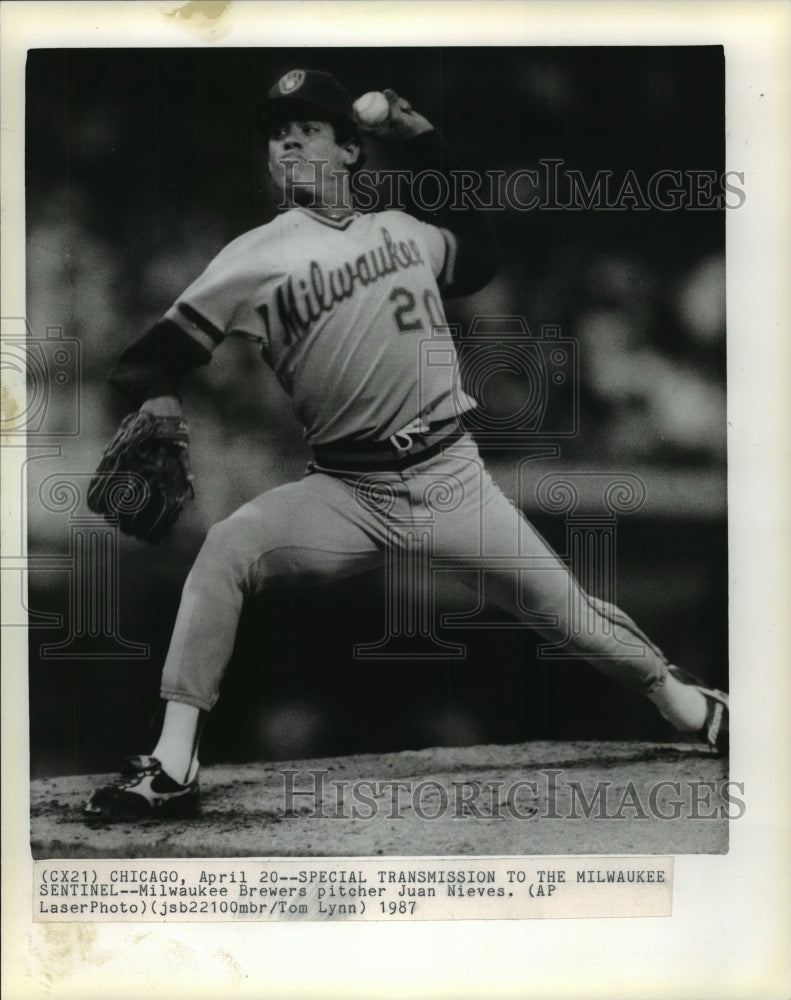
526 799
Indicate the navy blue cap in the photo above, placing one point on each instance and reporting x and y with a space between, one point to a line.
306 90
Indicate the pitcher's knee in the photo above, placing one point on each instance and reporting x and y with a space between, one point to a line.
225 552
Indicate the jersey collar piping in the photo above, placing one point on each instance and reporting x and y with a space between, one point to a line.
326 220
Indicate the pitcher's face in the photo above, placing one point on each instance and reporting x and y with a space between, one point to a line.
304 156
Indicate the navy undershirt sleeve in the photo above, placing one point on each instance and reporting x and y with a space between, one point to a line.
477 259
155 364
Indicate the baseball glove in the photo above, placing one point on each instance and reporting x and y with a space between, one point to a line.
144 476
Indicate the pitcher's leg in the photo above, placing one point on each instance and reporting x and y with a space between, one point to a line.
576 623
296 533
523 575
306 531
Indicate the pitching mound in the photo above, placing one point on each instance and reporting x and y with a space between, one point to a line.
527 799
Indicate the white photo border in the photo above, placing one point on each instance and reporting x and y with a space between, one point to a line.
730 926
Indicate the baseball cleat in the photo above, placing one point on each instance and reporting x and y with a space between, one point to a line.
143 791
715 731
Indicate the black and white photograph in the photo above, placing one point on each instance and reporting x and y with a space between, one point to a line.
416 373
378 449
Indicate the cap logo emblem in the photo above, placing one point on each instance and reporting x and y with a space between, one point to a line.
291 81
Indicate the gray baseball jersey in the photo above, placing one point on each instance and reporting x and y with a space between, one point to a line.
340 308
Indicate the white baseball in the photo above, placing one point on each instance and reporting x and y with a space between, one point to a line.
372 108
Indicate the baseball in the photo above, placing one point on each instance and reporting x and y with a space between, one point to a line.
372 108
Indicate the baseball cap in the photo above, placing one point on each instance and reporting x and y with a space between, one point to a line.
306 90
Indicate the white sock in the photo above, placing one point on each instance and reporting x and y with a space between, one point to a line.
177 747
681 704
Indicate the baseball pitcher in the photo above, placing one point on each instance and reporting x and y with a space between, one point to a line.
340 301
